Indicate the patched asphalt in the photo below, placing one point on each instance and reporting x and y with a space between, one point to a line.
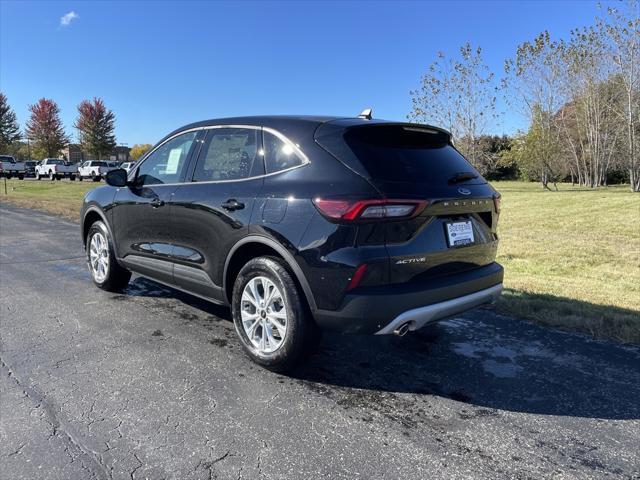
152 383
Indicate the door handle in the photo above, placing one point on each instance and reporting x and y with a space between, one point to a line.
232 204
156 202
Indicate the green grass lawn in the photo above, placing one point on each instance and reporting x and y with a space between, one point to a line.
571 258
60 197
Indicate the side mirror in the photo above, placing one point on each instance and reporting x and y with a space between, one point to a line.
117 177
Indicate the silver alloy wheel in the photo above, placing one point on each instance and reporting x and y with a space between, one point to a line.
99 257
264 314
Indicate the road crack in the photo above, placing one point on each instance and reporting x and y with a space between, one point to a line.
59 426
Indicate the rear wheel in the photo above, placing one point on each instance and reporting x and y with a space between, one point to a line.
269 315
37 176
52 177
80 178
72 178
105 271
21 177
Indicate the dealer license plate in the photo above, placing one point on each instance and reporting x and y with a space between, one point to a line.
460 233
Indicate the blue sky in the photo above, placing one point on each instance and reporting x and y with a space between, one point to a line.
159 65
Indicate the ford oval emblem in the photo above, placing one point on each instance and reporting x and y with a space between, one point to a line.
464 191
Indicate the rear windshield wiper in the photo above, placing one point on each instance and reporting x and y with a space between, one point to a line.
462 177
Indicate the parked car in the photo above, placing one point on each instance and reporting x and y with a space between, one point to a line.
30 168
9 167
94 169
55 169
127 166
302 224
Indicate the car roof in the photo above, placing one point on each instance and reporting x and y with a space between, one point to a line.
283 123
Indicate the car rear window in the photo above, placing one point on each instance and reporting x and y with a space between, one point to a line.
398 153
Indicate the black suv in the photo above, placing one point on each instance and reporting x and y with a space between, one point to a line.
302 224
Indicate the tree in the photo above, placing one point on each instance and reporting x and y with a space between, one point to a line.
9 129
138 150
95 124
533 82
492 149
45 128
622 30
537 158
459 95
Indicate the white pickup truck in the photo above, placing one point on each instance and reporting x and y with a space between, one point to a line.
55 169
94 169
10 168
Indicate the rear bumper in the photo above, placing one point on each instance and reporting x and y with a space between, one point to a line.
380 310
419 317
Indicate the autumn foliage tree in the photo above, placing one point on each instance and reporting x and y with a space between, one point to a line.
45 128
95 124
9 129
138 150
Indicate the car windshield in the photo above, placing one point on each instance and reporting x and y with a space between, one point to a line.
6 158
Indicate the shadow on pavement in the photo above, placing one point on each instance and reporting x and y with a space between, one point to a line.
480 358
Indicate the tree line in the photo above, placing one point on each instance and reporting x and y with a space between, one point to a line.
580 96
46 135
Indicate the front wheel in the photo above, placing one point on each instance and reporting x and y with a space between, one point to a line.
269 315
37 176
105 271
80 178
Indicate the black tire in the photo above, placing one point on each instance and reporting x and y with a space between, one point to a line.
20 177
72 178
301 331
37 176
117 277
52 177
79 178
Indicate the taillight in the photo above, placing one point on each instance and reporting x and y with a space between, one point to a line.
496 202
364 210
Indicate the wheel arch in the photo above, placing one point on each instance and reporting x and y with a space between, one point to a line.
256 246
91 215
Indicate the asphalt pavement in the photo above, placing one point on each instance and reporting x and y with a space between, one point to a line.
152 383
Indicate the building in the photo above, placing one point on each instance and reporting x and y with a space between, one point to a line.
120 153
74 154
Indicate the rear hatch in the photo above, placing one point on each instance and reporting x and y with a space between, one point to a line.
456 231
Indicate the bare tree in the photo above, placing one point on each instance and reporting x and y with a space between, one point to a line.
458 94
532 81
622 30
588 118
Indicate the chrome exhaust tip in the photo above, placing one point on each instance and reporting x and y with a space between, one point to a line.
402 330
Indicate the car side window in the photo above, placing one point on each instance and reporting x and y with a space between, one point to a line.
227 154
167 162
278 154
